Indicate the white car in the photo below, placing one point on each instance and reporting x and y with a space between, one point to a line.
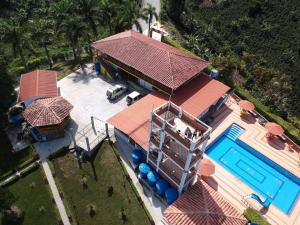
116 91
133 97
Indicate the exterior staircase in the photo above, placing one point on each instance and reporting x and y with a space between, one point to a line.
234 131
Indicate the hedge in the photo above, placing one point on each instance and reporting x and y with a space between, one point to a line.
253 216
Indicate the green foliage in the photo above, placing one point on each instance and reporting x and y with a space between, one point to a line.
6 199
175 9
227 65
33 32
256 39
254 216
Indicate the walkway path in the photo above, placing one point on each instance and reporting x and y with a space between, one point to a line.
55 193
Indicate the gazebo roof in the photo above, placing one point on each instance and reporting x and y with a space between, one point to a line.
201 204
47 111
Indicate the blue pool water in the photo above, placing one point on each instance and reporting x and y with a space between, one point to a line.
257 171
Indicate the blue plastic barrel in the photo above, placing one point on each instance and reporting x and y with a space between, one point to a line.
137 156
152 177
144 169
97 68
161 186
214 73
171 195
16 119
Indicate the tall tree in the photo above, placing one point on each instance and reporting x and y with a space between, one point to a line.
108 11
12 31
150 12
130 14
89 9
41 31
69 25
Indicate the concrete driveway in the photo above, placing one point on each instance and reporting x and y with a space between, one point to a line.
87 93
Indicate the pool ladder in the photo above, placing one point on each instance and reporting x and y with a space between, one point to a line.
264 203
234 131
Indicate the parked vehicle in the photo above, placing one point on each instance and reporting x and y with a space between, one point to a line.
133 97
116 91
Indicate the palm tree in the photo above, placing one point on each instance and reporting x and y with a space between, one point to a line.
149 12
89 9
107 11
12 31
41 31
129 15
68 24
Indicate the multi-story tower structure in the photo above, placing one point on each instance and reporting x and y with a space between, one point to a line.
177 141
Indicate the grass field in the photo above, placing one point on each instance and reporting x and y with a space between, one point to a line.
30 200
108 172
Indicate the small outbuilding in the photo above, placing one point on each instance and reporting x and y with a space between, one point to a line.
48 117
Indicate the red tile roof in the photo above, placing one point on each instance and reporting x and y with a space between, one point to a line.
47 111
158 61
201 204
38 83
195 98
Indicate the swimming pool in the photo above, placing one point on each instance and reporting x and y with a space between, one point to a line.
257 171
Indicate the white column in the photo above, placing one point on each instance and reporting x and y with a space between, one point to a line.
161 142
186 167
149 137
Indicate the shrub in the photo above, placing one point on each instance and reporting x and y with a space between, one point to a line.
91 209
255 217
12 216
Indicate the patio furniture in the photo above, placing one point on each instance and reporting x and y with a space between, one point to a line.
262 121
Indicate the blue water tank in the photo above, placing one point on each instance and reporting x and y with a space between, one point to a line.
214 73
152 177
137 156
161 186
16 119
97 68
144 169
171 195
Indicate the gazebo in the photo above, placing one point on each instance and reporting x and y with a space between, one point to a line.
48 117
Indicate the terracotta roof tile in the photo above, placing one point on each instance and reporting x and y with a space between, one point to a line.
201 204
159 61
47 111
38 83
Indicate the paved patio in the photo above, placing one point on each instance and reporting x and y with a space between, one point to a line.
87 93
231 187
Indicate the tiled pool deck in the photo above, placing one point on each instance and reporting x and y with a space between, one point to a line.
232 188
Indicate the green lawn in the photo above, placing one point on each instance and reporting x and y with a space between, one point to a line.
109 172
29 199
